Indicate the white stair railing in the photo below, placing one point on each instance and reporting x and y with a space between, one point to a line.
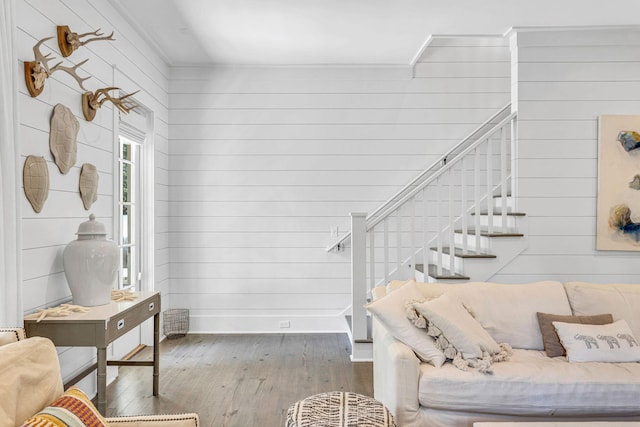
432 218
383 209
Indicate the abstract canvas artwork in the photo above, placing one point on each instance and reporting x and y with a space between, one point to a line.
618 211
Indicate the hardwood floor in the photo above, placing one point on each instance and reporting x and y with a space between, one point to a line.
239 380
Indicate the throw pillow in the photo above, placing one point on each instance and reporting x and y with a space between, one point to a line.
550 338
390 310
459 335
598 343
72 409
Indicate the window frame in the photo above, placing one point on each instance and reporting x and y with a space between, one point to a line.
137 126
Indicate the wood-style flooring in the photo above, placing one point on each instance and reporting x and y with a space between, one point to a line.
239 380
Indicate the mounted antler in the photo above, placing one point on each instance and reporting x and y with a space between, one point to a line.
36 72
68 41
91 101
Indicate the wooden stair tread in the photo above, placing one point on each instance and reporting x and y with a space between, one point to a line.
446 274
498 213
459 253
485 233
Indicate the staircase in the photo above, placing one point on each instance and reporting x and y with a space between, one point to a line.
458 218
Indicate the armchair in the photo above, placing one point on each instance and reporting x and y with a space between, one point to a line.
30 379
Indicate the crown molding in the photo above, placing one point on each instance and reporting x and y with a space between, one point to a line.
514 30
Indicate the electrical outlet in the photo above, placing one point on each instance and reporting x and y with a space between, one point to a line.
334 231
284 324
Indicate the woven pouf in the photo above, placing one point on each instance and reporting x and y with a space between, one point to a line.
339 409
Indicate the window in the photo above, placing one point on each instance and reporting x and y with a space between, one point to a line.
134 197
129 208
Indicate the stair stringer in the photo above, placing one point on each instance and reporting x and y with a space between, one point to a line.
506 249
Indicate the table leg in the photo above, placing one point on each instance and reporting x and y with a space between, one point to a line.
156 352
102 381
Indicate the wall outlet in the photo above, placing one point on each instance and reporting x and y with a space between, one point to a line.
334 231
284 324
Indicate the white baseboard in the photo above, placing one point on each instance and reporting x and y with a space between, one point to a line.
266 324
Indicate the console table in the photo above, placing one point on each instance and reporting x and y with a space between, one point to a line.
98 327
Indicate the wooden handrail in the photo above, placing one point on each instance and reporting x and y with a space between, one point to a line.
375 221
439 163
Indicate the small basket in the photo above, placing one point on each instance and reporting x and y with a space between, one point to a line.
176 322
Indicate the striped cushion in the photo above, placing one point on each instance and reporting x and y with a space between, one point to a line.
339 409
72 409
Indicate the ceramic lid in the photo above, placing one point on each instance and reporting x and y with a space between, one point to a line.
91 227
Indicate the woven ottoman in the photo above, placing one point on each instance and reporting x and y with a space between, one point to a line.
339 409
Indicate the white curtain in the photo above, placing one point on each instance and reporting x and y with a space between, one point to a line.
10 280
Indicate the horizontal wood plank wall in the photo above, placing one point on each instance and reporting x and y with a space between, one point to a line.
45 235
566 79
264 162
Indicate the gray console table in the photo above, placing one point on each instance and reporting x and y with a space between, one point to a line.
98 327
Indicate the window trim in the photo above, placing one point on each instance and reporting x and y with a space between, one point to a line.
145 201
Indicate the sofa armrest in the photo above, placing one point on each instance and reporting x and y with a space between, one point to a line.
9 335
396 373
178 420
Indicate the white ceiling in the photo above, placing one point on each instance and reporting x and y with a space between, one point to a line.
305 32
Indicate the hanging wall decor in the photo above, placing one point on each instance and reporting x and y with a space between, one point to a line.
68 41
92 101
88 185
618 207
63 138
35 176
37 71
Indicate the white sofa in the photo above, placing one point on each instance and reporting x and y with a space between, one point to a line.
530 386
30 380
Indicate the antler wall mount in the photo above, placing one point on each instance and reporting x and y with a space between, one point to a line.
92 101
68 41
37 71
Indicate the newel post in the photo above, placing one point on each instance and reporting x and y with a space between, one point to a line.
358 276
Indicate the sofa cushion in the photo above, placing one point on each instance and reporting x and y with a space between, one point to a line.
30 369
621 300
552 345
72 409
509 312
532 384
598 343
391 311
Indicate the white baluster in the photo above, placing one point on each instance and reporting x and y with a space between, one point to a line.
463 206
476 196
386 249
438 228
490 185
503 178
412 230
514 160
425 235
452 228
372 258
398 244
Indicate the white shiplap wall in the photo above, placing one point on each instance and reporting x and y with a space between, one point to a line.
565 80
136 66
265 161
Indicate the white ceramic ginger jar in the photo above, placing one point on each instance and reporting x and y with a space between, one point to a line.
91 264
